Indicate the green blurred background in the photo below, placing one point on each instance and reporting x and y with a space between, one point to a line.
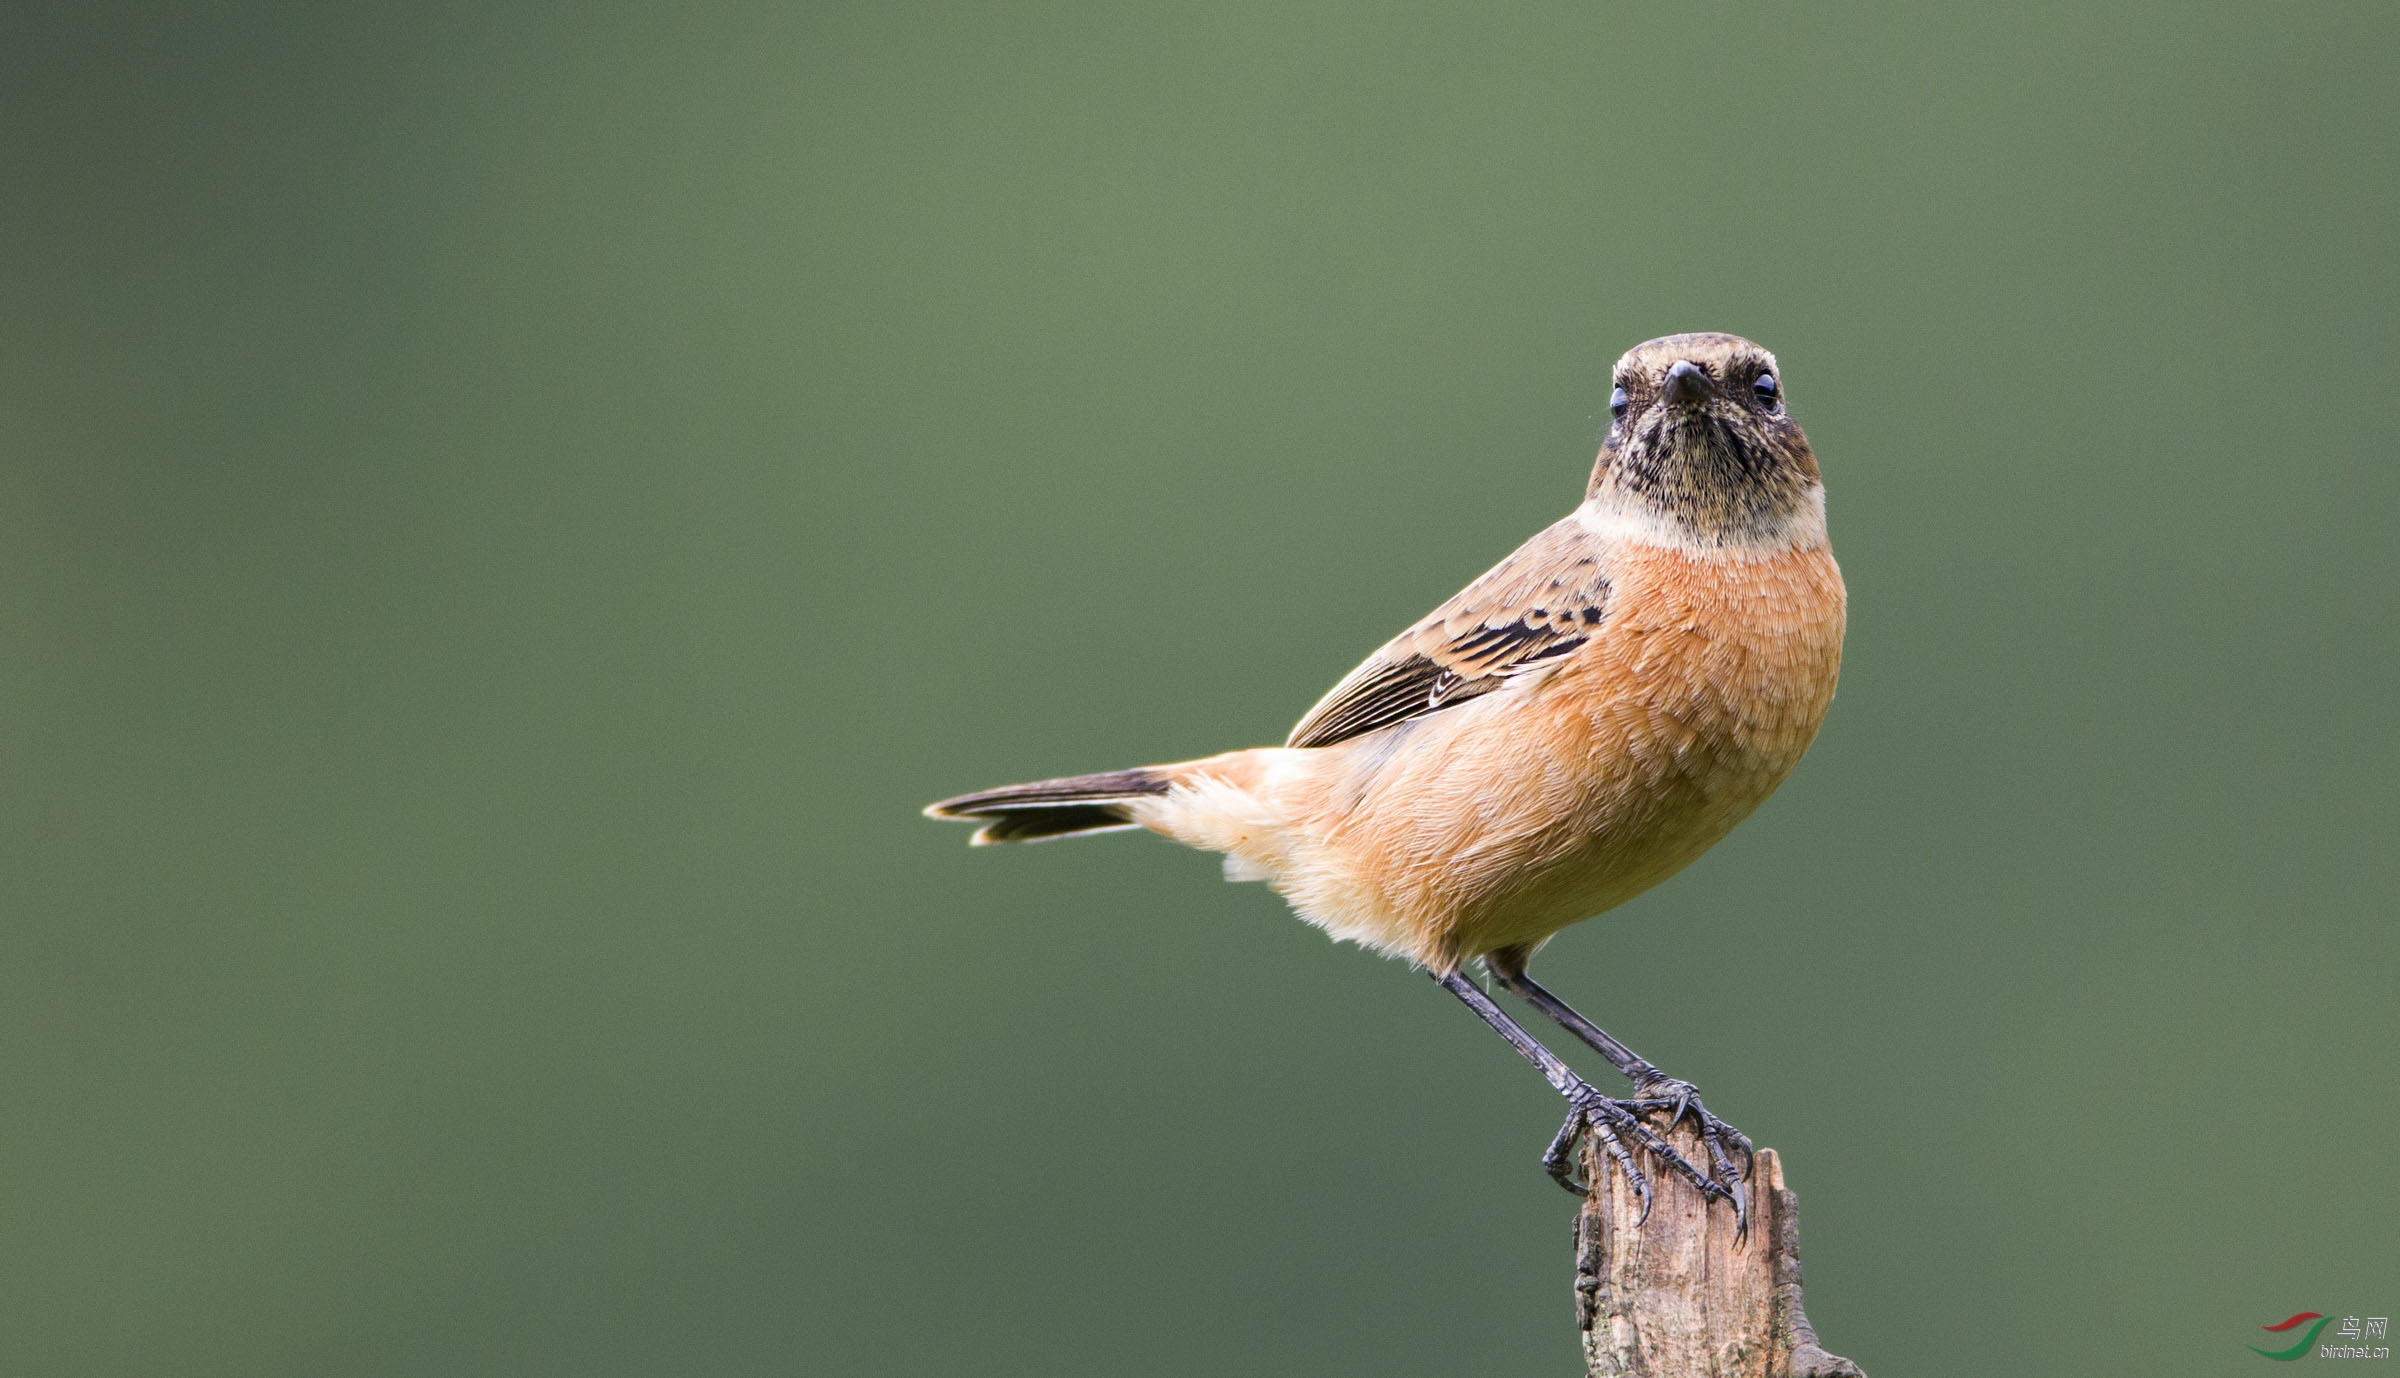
506 510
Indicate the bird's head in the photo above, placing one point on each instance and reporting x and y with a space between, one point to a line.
1700 441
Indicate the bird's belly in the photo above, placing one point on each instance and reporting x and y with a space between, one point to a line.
1625 841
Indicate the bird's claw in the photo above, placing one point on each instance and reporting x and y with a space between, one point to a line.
1612 1121
1589 1112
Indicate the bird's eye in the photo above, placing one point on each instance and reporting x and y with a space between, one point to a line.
1770 393
1617 403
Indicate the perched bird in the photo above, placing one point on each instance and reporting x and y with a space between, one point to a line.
1574 727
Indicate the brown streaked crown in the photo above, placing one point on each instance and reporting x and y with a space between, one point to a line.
1704 444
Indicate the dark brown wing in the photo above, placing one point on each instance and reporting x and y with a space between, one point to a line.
1540 603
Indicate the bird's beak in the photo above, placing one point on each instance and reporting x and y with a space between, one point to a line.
1687 383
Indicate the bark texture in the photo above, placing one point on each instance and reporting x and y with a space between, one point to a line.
1677 1297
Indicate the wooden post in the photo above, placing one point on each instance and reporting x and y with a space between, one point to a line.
1676 1297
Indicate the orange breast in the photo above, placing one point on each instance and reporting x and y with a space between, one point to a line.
1501 822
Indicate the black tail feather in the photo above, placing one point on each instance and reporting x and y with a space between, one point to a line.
1053 808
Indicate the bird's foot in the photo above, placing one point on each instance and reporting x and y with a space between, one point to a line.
1613 1121
1717 1135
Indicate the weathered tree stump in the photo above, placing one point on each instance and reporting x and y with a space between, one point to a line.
1677 1296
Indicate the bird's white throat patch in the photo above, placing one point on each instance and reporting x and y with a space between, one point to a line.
1620 516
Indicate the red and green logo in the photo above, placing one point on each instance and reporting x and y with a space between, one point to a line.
2304 1318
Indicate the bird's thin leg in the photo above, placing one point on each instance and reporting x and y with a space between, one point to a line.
1508 968
1588 1112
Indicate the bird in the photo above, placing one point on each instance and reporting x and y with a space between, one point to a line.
1574 727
